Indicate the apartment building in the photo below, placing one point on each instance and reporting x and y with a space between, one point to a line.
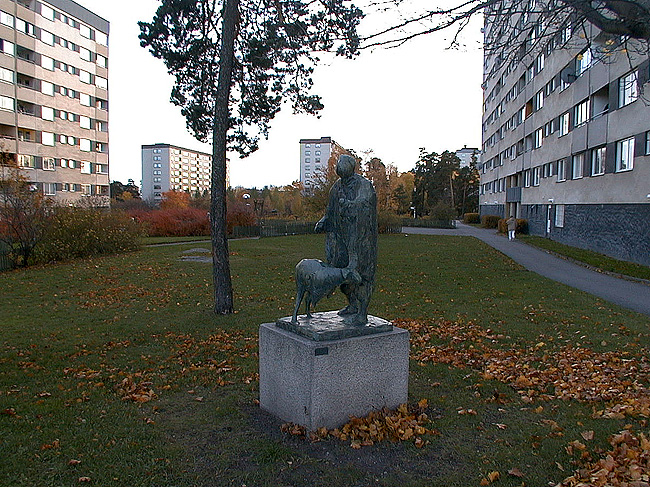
566 141
54 96
314 156
168 167
466 154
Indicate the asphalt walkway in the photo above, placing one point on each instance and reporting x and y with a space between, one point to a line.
628 294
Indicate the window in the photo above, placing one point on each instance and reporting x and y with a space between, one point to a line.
101 38
561 170
63 139
84 53
625 155
85 145
85 167
537 143
598 161
47 12
559 216
101 82
47 37
25 27
49 189
527 178
6 75
7 47
84 99
47 113
536 176
49 164
539 100
101 61
101 168
84 76
582 113
564 124
47 88
583 62
85 31
47 63
72 164
7 103
156 180
63 163
577 163
628 89
6 19
647 143
157 164
25 160
84 122
317 153
157 172
307 153
86 189
47 138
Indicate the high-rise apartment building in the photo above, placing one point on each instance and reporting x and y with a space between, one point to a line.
314 157
466 154
168 167
54 96
566 141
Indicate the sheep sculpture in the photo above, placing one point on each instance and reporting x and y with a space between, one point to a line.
315 280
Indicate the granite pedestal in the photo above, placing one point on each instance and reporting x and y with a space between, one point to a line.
322 382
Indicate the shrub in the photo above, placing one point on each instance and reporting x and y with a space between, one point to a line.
490 221
239 215
174 222
85 232
471 218
521 226
388 222
442 212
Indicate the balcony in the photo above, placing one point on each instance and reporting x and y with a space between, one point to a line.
513 195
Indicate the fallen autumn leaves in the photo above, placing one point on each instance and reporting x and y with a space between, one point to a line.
406 423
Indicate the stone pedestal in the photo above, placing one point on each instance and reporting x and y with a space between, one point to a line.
322 383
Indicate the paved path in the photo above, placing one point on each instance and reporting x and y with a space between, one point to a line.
625 293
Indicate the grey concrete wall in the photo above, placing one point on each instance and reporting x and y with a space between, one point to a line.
621 231
492 210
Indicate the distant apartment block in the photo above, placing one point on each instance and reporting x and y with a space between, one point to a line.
168 167
466 154
314 156
566 137
54 96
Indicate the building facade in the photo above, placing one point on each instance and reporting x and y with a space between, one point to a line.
466 154
566 139
168 167
54 96
314 157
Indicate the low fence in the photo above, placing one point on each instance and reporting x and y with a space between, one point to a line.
427 223
6 262
273 228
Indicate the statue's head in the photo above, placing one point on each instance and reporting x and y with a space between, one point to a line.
345 166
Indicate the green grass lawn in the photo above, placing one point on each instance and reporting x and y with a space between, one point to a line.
115 370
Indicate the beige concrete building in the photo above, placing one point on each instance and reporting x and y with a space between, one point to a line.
566 136
54 96
167 167
314 156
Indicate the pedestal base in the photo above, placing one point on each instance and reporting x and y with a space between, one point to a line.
322 383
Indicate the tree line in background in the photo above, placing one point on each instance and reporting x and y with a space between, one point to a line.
437 188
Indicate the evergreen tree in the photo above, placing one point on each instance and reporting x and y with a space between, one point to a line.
235 62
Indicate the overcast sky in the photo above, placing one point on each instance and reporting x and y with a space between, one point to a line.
390 101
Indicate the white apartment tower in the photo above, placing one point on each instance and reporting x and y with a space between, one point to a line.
314 157
566 131
168 167
54 96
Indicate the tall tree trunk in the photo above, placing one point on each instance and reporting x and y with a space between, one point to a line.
223 299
